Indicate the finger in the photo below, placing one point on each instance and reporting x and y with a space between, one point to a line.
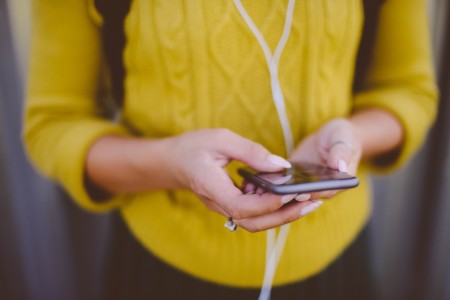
339 155
253 205
249 152
282 180
248 187
303 197
353 164
285 215
259 191
217 186
211 205
324 194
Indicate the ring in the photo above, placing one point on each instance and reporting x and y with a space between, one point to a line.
341 143
229 224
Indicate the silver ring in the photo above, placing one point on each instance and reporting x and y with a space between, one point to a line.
341 143
229 224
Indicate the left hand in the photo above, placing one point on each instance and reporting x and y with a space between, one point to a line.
335 145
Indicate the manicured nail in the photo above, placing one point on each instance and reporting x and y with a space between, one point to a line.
282 180
303 197
278 161
310 208
249 187
287 198
342 166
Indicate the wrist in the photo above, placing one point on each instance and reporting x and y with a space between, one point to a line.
161 163
379 131
120 165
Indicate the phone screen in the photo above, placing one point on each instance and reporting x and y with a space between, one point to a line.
301 178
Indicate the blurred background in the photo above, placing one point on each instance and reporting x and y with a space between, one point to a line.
51 249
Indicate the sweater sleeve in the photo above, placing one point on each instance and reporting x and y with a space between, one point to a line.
62 118
401 76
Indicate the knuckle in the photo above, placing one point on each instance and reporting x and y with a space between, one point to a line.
223 133
257 228
234 213
292 216
276 204
256 150
271 204
196 185
252 228
328 194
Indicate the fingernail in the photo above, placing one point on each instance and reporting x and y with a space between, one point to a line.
282 180
310 208
342 166
287 198
303 197
278 161
249 187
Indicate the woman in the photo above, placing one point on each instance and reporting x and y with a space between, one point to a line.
212 85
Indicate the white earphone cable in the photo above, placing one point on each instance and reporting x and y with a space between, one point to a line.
272 63
275 244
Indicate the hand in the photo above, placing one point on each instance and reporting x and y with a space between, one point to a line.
197 162
336 145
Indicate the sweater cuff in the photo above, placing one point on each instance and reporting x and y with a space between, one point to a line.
71 169
415 114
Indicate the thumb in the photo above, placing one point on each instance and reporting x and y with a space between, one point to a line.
253 154
339 156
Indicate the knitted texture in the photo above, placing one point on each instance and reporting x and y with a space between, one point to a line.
195 64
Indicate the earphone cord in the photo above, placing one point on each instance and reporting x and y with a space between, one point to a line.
275 244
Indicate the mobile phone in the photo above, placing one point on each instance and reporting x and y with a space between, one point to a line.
302 177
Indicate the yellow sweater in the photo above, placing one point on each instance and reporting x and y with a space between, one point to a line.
195 64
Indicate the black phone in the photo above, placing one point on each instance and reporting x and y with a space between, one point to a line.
302 177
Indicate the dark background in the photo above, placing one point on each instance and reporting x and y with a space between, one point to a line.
51 249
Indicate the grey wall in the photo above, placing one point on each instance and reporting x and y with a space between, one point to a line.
411 223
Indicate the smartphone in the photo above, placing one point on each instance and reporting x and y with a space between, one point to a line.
302 177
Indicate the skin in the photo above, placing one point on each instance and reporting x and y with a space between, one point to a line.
196 161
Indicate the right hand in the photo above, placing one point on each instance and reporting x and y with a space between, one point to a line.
198 161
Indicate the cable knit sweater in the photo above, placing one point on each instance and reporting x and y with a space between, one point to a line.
195 64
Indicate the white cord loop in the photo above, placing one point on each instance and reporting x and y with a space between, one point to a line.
275 245
272 63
